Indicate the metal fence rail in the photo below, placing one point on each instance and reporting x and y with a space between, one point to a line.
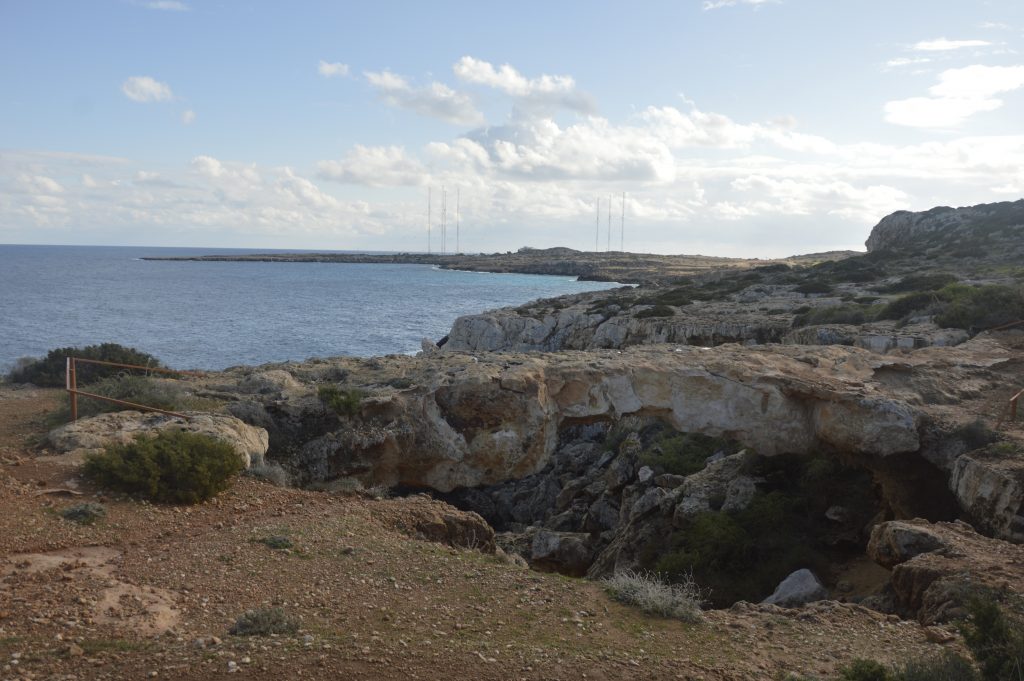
71 385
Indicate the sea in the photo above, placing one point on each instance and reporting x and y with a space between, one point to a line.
212 315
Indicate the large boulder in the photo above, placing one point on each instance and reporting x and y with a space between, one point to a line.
897 542
95 433
989 485
798 588
565 552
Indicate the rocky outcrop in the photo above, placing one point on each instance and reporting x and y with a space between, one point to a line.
903 228
938 567
799 588
989 484
93 434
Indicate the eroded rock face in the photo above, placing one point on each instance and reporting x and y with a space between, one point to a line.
989 484
935 585
95 433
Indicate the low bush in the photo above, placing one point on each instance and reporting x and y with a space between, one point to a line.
85 513
173 466
341 402
995 639
865 670
684 453
263 622
947 667
270 472
278 542
835 314
49 370
960 306
656 311
919 282
681 600
814 286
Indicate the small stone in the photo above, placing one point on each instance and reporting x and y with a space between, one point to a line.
75 650
232 666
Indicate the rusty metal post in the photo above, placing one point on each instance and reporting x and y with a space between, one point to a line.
73 387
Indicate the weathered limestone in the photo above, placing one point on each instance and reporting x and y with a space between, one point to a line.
93 434
797 589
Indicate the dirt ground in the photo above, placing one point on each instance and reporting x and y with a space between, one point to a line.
150 591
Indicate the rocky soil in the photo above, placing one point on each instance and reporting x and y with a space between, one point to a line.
151 592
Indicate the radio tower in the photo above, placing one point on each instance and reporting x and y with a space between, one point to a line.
622 225
428 220
609 246
458 249
444 221
597 226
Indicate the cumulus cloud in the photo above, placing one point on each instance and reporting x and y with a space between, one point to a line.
716 4
375 167
332 69
436 100
545 89
188 117
146 89
959 94
944 45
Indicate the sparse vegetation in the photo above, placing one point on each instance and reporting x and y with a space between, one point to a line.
656 311
946 667
684 453
173 466
996 639
264 622
278 542
680 600
835 314
85 513
341 402
48 371
960 306
271 472
145 390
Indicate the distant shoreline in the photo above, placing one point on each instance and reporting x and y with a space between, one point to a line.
613 267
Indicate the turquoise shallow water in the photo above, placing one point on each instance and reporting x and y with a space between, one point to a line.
211 315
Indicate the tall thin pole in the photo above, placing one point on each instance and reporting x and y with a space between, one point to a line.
622 225
444 220
458 248
428 220
609 246
597 226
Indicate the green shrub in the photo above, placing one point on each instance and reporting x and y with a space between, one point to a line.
49 371
976 434
263 622
865 670
948 667
684 453
814 286
85 513
656 311
996 641
278 542
835 314
981 307
341 402
173 466
681 600
919 282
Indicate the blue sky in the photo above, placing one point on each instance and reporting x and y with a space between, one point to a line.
747 127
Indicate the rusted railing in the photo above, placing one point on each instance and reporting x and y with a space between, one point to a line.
71 385
1010 413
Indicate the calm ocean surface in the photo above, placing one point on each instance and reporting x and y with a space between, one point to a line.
211 315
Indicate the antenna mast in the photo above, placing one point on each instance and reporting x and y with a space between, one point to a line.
609 246
597 226
458 249
428 220
622 225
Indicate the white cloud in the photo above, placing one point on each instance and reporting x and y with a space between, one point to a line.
959 94
907 61
436 100
375 167
944 45
166 5
146 89
716 4
188 117
332 69
543 90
